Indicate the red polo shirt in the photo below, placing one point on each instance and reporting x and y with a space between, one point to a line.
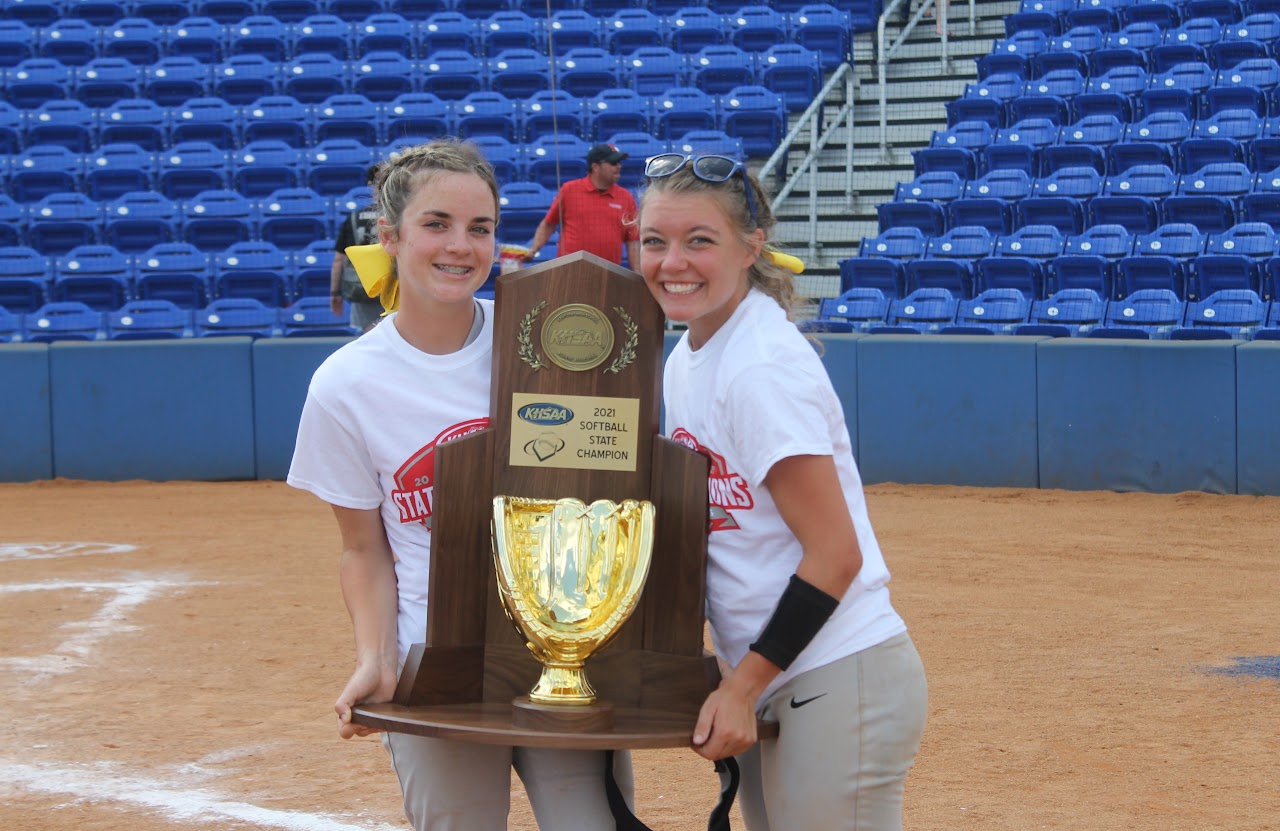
594 220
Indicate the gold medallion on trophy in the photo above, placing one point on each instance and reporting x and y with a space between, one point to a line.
569 575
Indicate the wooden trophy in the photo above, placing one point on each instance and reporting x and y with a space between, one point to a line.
574 409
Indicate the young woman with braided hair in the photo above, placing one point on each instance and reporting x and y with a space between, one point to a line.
375 411
797 598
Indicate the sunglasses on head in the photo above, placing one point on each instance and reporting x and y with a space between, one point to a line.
710 168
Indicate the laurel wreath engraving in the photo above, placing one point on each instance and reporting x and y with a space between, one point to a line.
527 353
627 353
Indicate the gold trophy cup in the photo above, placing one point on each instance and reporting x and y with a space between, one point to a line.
569 575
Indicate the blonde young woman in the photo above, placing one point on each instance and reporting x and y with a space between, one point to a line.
797 594
375 411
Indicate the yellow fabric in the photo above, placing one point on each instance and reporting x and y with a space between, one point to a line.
375 268
793 264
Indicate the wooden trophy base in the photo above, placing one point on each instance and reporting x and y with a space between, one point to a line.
586 718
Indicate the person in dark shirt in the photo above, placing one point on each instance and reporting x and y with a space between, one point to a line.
359 228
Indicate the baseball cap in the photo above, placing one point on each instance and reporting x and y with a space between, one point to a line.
605 153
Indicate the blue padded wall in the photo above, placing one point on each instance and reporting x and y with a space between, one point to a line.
958 410
1258 417
157 410
1130 415
26 442
282 370
840 356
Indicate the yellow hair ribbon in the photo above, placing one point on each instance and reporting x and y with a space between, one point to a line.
375 268
793 264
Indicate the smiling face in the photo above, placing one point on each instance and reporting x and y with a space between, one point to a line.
695 260
444 244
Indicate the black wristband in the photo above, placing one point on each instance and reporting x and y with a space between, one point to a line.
800 613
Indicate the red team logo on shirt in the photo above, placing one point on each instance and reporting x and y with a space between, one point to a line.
725 490
415 480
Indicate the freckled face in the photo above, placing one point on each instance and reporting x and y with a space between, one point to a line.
444 247
694 261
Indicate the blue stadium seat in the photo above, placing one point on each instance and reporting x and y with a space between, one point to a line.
1013 54
722 68
264 166
523 206
1142 35
651 69
293 217
448 30
417 115
116 169
755 115
225 11
174 271
243 79
290 11
348 116
996 311
882 274
1227 314
12 218
905 243
277 118
34 12
311 267
10 325
618 111
487 113
955 159
855 310
756 28
191 167
1039 20
989 200
230 316
519 73
197 36
137 220
556 159
1100 16
973 136
1088 260
41 170
925 310
312 317
148 320
321 33
313 77
793 72
258 270
588 71
1234 259
260 34
1018 147
509 29
1145 314
161 12
353 9
1208 197
1178 88
104 81
216 219
17 42
12 124
452 74
1083 144
36 80
383 76
100 276
62 321
1059 199
553 111
25 278
691 28
385 32
1161 259
72 41
931 186
67 123
632 28
508 159
174 79
336 166
573 29
681 109
211 120
824 29
638 146
1070 312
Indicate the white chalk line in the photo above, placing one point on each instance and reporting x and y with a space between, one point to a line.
53 550
84 636
101 784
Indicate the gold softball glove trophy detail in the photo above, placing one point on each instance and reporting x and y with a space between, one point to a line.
569 575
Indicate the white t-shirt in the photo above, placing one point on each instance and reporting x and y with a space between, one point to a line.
375 412
754 394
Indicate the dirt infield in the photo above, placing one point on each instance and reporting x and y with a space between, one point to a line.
169 654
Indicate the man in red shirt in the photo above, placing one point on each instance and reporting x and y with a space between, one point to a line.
594 213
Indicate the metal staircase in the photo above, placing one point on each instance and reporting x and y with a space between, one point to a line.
917 90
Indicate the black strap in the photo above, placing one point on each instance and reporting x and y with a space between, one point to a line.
719 821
